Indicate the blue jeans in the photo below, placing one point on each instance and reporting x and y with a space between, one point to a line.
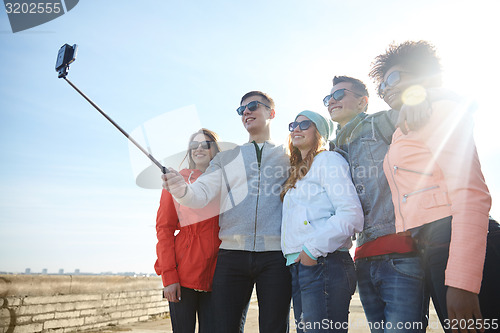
433 242
322 293
236 273
391 289
183 314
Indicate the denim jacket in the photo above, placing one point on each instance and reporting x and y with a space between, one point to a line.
364 142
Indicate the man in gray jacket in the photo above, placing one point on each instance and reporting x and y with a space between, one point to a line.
390 277
247 181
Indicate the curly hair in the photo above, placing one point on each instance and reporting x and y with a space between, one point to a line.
416 57
300 167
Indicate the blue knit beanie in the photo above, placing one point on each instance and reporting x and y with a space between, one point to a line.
324 125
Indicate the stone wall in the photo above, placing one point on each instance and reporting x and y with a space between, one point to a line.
70 303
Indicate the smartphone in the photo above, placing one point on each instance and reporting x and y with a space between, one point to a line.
65 56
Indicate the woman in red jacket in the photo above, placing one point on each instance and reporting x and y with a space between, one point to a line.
186 260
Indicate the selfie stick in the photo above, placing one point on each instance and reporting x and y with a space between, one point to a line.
162 168
62 74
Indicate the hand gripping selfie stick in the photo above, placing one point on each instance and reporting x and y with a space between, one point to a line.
65 57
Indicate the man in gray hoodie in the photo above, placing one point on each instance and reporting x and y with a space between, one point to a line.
247 181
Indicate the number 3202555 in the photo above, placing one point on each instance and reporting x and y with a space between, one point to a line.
33 8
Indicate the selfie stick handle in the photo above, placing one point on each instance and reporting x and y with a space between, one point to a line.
162 168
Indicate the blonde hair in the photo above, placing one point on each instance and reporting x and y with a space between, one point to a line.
300 167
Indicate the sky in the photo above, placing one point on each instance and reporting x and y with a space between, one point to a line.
68 194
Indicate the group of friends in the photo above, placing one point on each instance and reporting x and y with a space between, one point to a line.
405 183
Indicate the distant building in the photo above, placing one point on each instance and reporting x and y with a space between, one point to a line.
61 271
27 271
44 271
77 271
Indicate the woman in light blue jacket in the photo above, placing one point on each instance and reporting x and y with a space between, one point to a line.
321 211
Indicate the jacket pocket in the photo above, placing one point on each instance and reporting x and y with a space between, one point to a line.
422 173
406 196
182 246
295 227
434 199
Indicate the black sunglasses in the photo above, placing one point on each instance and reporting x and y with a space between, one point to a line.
303 125
204 144
252 106
338 95
392 80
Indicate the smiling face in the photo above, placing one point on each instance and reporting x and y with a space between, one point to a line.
348 107
394 95
303 140
202 157
256 122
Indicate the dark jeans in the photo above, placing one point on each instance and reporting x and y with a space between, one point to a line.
183 314
236 273
489 296
391 289
433 242
322 293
